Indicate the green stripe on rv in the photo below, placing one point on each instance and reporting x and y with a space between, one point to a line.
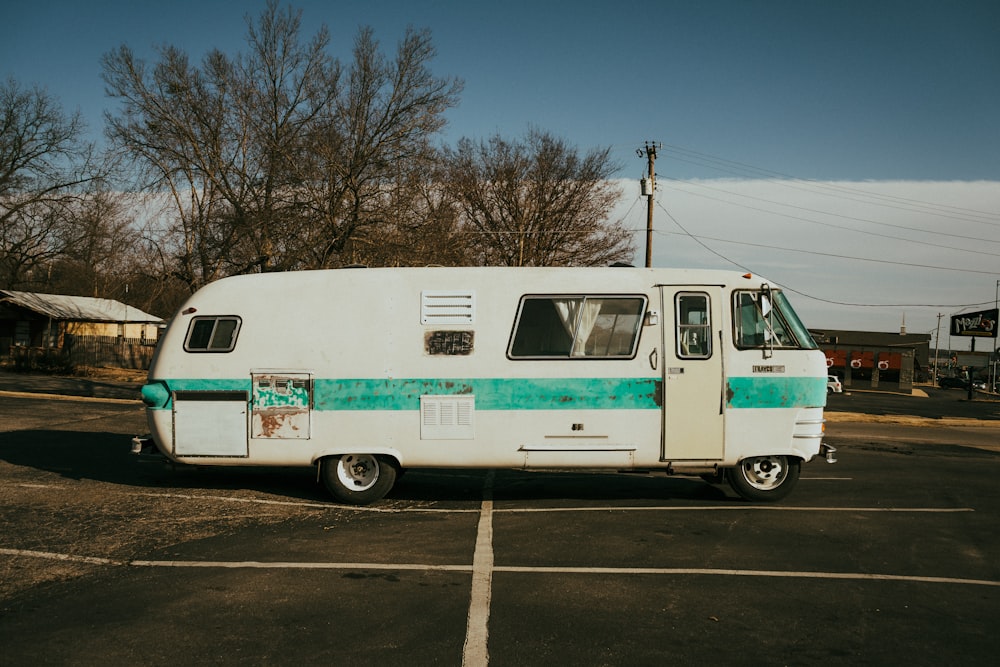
491 393
527 393
776 392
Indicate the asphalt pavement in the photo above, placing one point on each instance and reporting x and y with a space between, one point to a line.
80 386
887 557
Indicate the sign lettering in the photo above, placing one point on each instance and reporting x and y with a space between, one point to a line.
983 324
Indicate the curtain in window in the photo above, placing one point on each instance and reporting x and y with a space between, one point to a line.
578 317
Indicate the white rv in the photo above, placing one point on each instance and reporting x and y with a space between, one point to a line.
366 372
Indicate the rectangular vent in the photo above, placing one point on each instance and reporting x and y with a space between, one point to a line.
451 307
447 417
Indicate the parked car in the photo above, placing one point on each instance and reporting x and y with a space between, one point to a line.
833 385
953 383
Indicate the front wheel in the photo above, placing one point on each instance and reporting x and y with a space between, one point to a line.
764 478
358 479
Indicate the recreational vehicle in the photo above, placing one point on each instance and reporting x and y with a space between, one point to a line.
364 373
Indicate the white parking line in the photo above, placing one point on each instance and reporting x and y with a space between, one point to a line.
48 555
292 565
515 510
859 576
298 503
475 651
738 508
426 567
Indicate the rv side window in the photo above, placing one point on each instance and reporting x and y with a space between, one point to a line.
212 334
694 337
578 327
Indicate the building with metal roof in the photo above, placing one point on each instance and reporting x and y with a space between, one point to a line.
30 319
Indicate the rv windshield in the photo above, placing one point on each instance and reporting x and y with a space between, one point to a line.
759 322
802 335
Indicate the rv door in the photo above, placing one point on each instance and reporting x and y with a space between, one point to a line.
692 373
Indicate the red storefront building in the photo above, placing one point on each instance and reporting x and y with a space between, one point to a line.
873 360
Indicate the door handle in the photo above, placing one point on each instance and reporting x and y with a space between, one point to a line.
653 359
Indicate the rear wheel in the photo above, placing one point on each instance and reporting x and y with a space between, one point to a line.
358 479
764 478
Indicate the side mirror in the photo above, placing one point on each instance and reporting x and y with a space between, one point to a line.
765 311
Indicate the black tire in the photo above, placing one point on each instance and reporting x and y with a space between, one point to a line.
358 479
764 478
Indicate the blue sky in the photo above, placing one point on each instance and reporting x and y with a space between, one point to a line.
897 97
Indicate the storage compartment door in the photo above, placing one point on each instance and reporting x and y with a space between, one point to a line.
210 423
281 405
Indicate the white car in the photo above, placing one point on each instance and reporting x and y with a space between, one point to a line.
833 385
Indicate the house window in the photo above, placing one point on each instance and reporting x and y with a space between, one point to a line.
577 327
212 334
22 333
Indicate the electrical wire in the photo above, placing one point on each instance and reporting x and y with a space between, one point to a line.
828 224
699 241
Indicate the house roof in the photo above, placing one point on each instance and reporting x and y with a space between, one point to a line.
77 308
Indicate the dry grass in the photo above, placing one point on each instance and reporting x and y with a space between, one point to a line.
111 374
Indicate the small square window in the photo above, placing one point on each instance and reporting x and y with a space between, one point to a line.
694 339
212 334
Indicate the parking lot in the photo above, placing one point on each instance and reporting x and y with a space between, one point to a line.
890 555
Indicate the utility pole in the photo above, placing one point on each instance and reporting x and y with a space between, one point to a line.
937 348
993 367
649 190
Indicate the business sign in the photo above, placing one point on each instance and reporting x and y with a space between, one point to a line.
982 324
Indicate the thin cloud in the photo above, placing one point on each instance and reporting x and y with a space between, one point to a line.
859 255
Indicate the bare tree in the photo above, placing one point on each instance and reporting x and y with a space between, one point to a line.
418 226
372 155
99 248
271 162
45 170
537 202
222 139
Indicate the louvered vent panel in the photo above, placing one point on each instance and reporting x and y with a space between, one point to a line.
452 307
447 417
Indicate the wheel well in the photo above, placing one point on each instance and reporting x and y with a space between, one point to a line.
384 452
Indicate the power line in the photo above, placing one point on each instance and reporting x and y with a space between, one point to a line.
828 224
770 246
699 241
